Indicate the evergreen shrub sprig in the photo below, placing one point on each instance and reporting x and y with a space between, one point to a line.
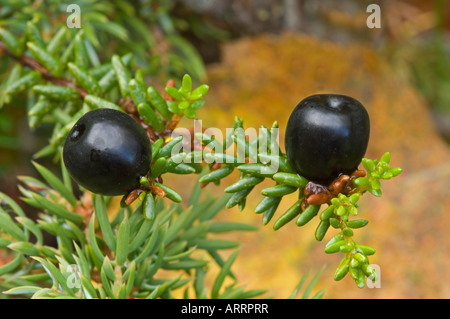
110 249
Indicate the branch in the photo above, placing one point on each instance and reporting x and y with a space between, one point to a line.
34 65
126 104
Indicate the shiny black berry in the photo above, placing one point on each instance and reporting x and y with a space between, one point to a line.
327 135
107 151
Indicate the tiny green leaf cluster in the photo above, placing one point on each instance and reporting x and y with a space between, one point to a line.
376 171
186 101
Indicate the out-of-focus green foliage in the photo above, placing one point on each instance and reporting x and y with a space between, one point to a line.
146 28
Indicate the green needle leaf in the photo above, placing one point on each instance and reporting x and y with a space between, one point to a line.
173 92
221 227
266 203
25 248
57 209
358 223
149 207
327 213
57 92
92 239
122 245
217 174
215 244
290 179
256 169
186 84
238 198
123 75
32 227
222 274
307 214
22 290
166 150
159 103
13 264
395 171
11 42
243 183
386 158
278 190
81 52
56 43
137 91
366 250
334 247
95 102
268 214
170 193
84 79
342 270
290 214
45 59
23 83
321 229
199 92
34 35
150 117
103 220
56 183
159 167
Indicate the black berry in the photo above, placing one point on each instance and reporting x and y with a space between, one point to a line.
326 136
107 151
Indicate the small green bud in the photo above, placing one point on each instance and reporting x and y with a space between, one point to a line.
369 271
360 282
361 181
183 105
347 232
375 175
335 202
354 263
342 270
321 229
375 192
360 258
186 84
199 92
144 181
368 164
346 248
376 185
387 175
357 223
354 198
341 211
395 171
367 250
334 247
327 213
353 211
173 92
385 158
335 222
